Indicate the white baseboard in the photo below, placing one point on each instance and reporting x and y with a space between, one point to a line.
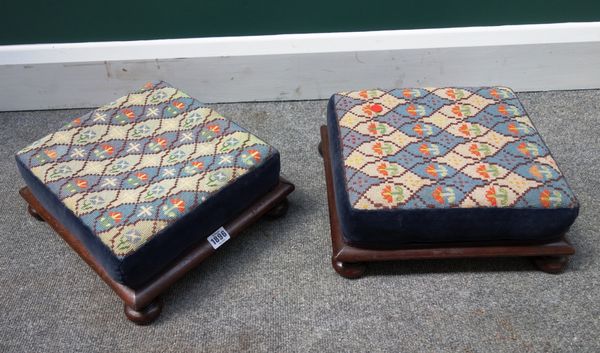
302 66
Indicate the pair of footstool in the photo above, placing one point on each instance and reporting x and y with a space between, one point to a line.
147 187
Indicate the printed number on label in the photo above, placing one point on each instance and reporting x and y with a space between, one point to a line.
219 237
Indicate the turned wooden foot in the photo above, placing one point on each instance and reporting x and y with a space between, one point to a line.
551 264
34 213
146 315
278 211
349 270
320 148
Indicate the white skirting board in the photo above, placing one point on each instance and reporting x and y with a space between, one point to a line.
302 66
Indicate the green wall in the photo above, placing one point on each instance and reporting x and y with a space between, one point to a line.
39 21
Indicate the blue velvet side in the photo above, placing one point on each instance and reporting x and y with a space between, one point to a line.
138 268
393 228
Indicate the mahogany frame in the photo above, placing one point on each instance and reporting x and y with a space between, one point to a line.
349 261
143 305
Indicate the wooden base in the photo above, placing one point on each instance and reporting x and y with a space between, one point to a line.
142 305
349 261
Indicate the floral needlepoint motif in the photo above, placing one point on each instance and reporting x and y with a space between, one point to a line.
386 169
423 130
377 128
488 170
410 93
158 96
86 136
437 171
510 110
158 144
210 131
93 201
216 179
429 149
455 94
461 110
541 172
550 198
367 94
480 149
229 144
251 157
104 151
45 156
125 116
528 149
76 185
416 110
137 179
518 129
119 166
155 191
174 108
110 220
141 130
470 130
381 148
176 156
60 171
193 119
393 193
497 196
193 168
499 93
174 208
372 109
444 195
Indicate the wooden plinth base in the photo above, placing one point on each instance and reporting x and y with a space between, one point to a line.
349 261
142 305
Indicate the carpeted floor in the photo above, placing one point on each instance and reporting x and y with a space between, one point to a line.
273 289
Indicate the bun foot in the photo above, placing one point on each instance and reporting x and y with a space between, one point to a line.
349 270
551 264
146 315
34 214
320 148
278 211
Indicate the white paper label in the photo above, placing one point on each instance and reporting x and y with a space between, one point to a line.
219 237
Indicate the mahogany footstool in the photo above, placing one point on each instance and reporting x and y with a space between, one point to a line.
146 188
441 173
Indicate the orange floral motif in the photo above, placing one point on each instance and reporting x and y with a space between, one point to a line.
116 216
82 183
255 154
415 110
497 196
429 149
528 149
128 113
550 198
108 149
51 153
393 194
444 195
438 171
198 165
371 109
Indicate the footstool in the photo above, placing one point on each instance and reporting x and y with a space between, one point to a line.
429 173
146 188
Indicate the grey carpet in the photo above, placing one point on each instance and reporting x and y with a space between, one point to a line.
273 289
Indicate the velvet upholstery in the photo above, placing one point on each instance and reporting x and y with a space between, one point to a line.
420 215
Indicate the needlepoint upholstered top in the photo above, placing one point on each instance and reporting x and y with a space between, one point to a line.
443 164
141 179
